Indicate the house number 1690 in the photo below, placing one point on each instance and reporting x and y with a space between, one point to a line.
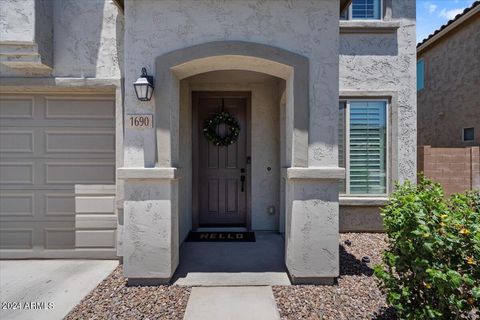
140 121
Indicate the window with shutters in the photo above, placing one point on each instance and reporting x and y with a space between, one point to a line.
341 141
362 146
363 10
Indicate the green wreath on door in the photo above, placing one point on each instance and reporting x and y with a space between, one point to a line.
210 129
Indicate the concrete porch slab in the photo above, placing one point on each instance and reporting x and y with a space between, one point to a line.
232 303
257 263
51 288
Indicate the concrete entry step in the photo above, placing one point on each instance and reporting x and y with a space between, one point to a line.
232 303
259 263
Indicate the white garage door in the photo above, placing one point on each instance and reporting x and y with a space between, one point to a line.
49 143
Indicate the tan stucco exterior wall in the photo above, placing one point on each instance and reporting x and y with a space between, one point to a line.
450 100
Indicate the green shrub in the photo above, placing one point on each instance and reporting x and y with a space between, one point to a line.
431 269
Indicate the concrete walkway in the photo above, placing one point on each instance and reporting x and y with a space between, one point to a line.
231 303
259 263
49 288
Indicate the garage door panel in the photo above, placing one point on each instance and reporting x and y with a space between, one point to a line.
67 111
57 174
53 123
37 205
58 204
66 172
16 238
79 155
79 108
59 238
67 186
80 141
16 107
16 141
47 145
17 173
15 204
37 234
61 142
38 216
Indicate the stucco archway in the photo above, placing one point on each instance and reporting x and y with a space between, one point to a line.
310 194
231 55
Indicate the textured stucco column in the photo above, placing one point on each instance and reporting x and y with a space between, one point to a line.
151 248
311 238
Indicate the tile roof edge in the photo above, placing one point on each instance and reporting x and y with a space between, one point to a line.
450 22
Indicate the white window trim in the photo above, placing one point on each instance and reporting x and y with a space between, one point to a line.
347 149
349 14
463 134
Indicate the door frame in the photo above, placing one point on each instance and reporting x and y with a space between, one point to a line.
195 95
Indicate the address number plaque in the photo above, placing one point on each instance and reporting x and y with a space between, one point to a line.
139 121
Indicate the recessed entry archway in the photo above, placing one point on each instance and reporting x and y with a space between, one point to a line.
239 183
231 55
309 195
173 67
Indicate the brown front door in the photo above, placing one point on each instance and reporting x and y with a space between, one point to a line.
221 170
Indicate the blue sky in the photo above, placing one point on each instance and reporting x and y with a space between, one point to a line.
431 14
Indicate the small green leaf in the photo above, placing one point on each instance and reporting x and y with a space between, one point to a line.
476 292
455 277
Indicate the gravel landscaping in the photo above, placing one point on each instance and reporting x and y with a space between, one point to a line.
355 296
112 299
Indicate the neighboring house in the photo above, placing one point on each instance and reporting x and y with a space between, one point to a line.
320 101
448 80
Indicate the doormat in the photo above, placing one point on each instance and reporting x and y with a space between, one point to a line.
221 236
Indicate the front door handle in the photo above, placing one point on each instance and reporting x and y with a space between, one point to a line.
242 180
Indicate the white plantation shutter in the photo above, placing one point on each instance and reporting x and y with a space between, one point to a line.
366 9
341 141
367 147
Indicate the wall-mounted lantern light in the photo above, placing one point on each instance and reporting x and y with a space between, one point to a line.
144 86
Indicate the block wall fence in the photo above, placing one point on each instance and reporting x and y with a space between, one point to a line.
457 169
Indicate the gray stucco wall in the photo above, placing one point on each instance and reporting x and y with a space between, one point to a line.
44 30
88 39
272 30
154 28
387 63
383 65
17 20
26 27
450 100
360 219
78 39
88 42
